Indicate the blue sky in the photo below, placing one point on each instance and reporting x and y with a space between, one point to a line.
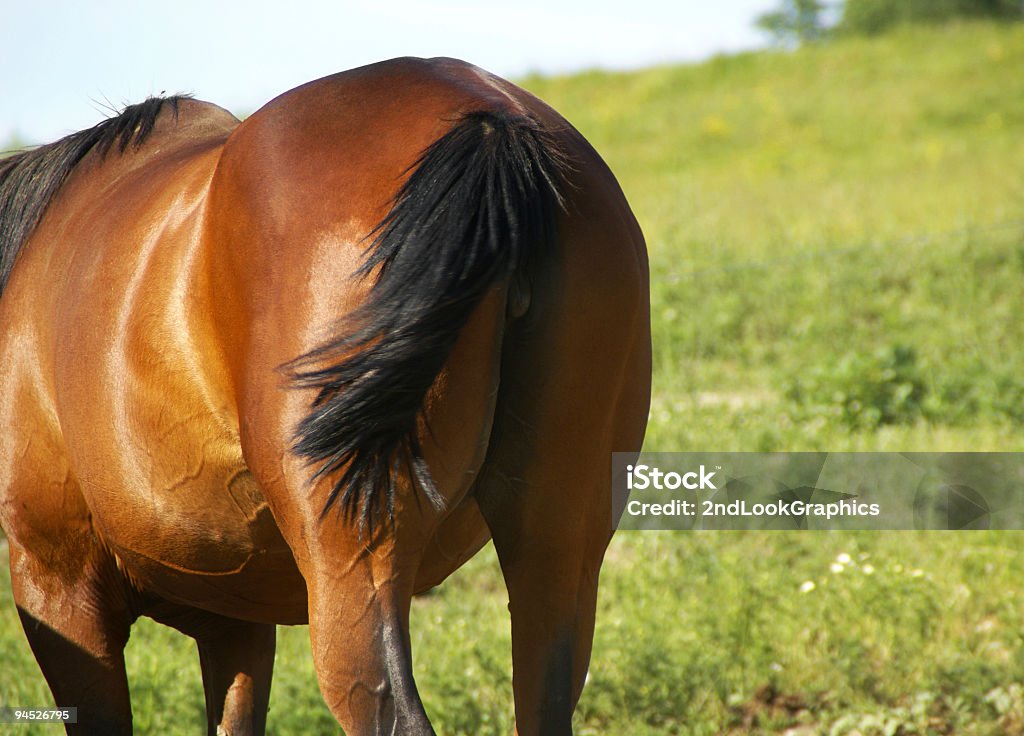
62 62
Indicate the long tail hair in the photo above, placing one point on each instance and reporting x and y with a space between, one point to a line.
479 205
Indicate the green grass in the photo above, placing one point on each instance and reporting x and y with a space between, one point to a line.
837 249
806 211
701 633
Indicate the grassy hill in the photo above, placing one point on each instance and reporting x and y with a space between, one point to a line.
914 131
837 246
829 230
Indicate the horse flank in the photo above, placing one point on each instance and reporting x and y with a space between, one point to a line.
29 180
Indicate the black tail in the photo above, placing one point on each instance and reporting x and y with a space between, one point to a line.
479 205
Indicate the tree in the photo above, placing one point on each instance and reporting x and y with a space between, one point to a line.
869 17
795 22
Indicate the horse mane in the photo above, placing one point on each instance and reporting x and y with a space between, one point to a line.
30 179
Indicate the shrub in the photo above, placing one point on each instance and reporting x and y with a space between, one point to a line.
864 391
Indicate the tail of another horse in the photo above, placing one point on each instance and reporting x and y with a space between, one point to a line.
478 207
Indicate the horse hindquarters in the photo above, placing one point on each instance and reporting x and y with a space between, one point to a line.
424 377
409 381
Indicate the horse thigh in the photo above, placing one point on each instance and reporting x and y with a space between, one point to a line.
458 537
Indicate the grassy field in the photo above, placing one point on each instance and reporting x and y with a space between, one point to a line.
837 247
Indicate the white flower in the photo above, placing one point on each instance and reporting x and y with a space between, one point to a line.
836 567
807 586
868 569
843 559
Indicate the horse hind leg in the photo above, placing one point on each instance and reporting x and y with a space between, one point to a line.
551 572
77 622
359 631
237 662
575 388
549 512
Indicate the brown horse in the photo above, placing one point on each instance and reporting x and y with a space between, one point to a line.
299 369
